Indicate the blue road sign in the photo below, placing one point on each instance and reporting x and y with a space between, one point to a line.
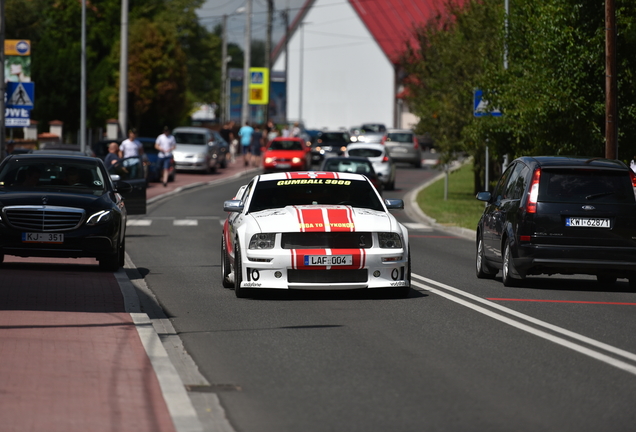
20 95
480 106
16 117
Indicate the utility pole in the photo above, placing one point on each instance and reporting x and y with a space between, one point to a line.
285 15
611 112
245 107
268 52
83 83
123 71
3 85
224 72
300 74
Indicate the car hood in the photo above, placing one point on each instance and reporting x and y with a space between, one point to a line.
190 149
85 201
328 218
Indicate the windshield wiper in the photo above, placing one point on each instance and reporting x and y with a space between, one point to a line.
598 195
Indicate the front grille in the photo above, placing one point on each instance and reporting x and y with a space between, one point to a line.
327 240
327 276
43 218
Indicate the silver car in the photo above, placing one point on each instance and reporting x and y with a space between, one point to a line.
199 149
378 156
403 146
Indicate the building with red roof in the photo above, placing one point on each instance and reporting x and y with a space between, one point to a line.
342 60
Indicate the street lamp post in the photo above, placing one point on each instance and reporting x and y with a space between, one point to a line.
123 70
245 107
301 71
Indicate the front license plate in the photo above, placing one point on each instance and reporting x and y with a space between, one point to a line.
328 260
587 222
42 238
283 165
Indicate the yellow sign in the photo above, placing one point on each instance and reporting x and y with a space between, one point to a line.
259 86
17 47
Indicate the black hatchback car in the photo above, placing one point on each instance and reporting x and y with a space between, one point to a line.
62 206
566 215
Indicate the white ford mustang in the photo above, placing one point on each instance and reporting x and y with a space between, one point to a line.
313 231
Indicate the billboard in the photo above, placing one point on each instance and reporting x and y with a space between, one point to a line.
17 60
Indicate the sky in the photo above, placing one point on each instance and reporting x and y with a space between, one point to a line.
211 14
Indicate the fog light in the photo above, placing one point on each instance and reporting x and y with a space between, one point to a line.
376 273
278 274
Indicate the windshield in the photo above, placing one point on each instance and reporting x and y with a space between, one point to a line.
333 137
39 175
282 193
286 145
190 138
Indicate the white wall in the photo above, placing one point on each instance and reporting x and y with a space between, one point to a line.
347 79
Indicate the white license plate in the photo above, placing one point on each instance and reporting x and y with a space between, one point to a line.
587 222
398 150
283 165
328 260
42 238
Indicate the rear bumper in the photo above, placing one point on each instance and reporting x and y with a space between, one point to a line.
543 259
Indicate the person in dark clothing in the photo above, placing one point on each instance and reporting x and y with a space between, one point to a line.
255 148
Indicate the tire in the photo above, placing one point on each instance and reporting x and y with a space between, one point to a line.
238 273
1 258
225 265
607 280
122 253
403 292
483 270
508 268
110 263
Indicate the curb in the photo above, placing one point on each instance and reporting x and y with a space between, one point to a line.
414 211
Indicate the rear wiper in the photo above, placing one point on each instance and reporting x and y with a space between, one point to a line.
598 195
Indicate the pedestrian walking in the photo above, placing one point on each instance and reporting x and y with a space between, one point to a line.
165 143
227 132
257 143
245 133
131 147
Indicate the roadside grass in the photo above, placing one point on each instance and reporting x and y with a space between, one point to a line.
461 208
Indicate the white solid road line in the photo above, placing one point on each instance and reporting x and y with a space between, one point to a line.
532 330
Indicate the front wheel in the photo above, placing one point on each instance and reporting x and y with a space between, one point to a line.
225 265
238 273
509 268
483 270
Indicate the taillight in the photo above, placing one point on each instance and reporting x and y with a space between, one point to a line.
632 175
415 143
385 159
383 140
531 206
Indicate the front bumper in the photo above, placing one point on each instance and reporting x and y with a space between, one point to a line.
283 269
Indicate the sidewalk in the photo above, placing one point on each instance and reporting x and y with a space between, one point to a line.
74 357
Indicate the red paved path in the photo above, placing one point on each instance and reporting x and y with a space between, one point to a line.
70 356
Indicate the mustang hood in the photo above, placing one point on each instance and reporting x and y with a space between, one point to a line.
316 218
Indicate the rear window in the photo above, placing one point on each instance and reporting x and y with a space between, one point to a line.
586 186
190 138
400 137
352 166
333 137
365 152
282 193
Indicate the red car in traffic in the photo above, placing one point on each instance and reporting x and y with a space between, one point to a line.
286 154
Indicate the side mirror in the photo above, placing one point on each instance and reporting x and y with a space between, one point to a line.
115 178
391 204
483 196
233 206
123 187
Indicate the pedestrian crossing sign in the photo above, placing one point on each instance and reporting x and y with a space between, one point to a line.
20 95
259 86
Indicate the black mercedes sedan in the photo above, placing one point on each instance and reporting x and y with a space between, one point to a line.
64 206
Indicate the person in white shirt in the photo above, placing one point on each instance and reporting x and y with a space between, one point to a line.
131 147
165 143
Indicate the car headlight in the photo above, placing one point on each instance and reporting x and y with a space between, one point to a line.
262 241
296 160
99 217
269 160
389 240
